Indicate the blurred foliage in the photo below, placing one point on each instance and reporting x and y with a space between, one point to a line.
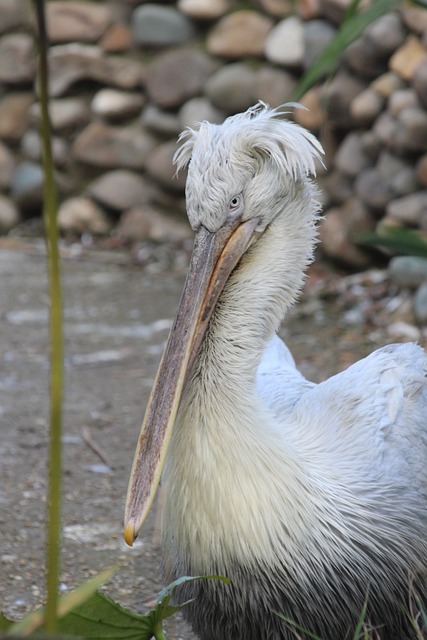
397 240
353 25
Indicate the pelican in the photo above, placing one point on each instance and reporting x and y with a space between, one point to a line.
310 498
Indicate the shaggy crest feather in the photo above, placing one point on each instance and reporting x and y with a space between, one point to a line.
259 129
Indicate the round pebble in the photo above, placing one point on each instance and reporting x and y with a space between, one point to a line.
420 303
284 44
408 271
232 88
155 25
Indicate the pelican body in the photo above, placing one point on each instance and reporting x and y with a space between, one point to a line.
310 498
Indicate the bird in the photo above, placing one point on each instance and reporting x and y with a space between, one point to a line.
311 498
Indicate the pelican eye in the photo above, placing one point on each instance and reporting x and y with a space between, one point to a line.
235 203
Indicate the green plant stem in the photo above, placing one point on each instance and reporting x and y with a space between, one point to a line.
55 321
159 634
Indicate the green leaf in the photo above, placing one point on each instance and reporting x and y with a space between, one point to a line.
296 626
5 623
88 614
398 240
164 610
100 618
351 28
66 603
359 627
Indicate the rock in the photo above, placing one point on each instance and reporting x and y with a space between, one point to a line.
65 113
387 84
406 59
273 86
73 20
385 34
82 215
386 129
336 187
362 56
31 148
204 9
101 145
241 33
366 107
277 8
117 38
368 55
412 129
404 328
351 158
408 210
373 190
142 223
371 145
339 95
114 104
232 88
317 35
177 76
402 99
155 25
121 189
196 110
309 9
313 116
334 10
420 303
123 72
17 58
408 271
415 18
71 63
419 81
7 167
284 44
27 185
421 170
340 230
14 115
162 122
160 166
397 172
15 14
9 215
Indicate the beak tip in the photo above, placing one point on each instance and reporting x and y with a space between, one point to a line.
130 534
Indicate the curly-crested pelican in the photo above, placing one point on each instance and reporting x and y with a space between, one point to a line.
310 498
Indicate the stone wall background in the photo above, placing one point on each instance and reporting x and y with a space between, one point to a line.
127 77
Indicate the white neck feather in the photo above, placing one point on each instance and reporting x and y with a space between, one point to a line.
222 417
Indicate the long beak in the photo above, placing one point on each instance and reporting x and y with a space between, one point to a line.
214 257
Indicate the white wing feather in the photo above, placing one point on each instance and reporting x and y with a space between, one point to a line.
368 423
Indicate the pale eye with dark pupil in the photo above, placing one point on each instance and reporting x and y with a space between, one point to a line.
234 202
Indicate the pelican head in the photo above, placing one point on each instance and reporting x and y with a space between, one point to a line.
243 175
231 166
